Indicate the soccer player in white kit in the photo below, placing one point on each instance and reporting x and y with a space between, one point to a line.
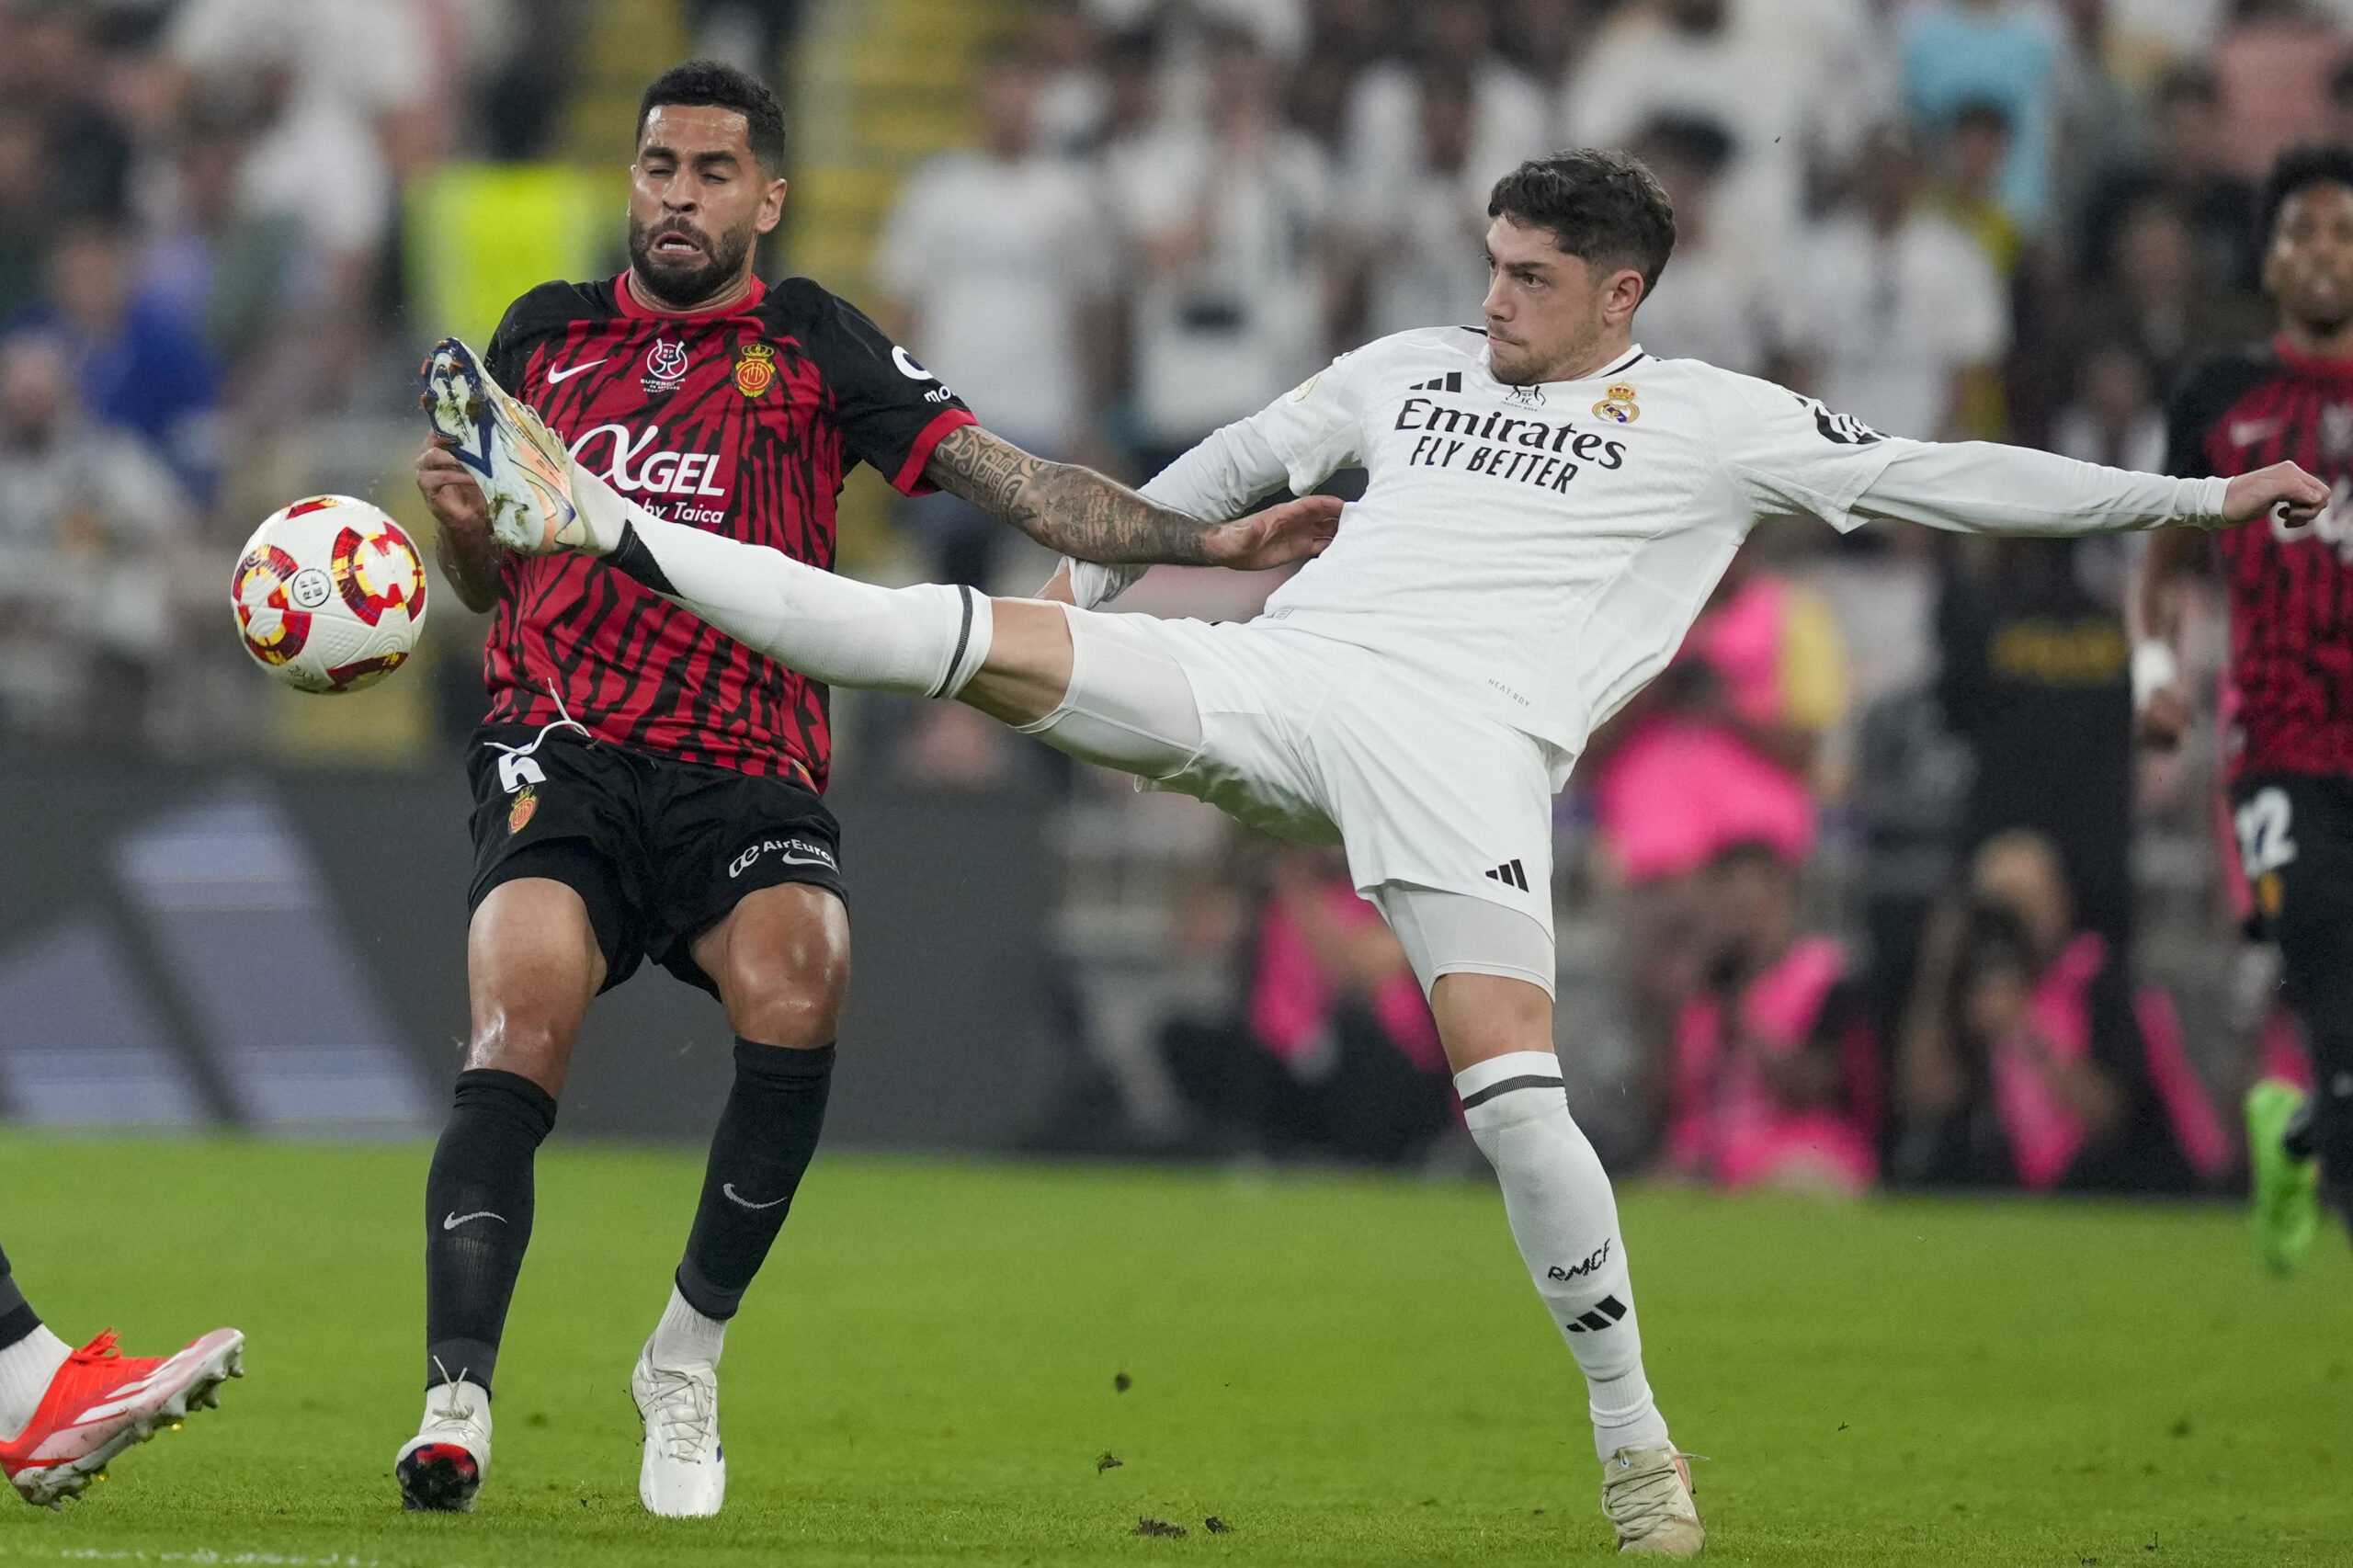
1547 511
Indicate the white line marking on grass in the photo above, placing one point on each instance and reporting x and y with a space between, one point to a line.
200 1555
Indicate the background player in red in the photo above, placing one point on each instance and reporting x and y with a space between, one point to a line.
2288 747
646 786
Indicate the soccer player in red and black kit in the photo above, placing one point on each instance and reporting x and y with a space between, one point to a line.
646 786
2289 703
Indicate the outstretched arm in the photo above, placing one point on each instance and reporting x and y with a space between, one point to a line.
1087 516
1981 487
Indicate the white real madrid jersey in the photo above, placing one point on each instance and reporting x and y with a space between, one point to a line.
1541 549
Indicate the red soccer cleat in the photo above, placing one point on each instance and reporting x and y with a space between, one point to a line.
101 1401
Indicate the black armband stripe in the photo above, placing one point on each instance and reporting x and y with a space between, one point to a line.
632 557
1531 1081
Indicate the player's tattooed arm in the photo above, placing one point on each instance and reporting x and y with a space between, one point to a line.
1080 513
470 558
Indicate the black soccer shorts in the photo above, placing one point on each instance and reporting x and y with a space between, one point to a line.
2295 834
660 850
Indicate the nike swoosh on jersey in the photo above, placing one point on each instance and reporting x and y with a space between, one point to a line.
571 371
452 1221
734 1197
2247 432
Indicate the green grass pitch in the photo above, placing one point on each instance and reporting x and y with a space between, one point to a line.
1342 1370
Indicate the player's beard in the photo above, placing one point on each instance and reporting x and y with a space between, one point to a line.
683 287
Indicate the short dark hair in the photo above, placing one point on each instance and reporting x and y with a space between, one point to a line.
711 84
2298 170
1602 207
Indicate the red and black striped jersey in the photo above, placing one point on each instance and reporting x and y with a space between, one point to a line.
2288 698
742 423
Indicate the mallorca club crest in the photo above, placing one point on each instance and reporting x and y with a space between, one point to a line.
755 369
665 366
526 807
1617 403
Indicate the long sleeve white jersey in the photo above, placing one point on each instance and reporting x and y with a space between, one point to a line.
1542 550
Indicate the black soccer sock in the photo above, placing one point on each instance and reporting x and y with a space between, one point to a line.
478 1220
766 1137
17 1318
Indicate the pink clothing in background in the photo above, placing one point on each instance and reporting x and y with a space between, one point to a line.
1729 1127
1680 790
2044 1135
1292 1000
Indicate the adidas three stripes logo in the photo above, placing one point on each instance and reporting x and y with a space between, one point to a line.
1606 1312
1450 381
1510 873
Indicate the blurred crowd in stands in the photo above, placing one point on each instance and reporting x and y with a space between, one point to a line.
1879 867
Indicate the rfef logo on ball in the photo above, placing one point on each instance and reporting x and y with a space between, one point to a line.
755 369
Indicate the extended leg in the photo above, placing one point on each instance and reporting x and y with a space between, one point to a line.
1069 677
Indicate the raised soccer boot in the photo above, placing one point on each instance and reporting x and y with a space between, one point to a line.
441 1468
684 1476
1647 1494
523 469
2286 1205
100 1402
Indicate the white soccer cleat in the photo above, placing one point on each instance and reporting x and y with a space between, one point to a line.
685 1472
100 1402
442 1467
1647 1494
523 469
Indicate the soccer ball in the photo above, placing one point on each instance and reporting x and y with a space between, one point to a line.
329 595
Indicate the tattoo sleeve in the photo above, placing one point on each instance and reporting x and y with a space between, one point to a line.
1061 506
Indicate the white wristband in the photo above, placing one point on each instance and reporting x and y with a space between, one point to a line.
2154 668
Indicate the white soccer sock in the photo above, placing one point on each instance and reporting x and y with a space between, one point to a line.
685 1335
25 1368
929 640
1557 1198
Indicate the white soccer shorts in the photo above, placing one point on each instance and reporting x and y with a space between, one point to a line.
1323 742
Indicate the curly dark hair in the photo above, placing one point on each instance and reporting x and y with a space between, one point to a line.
711 84
2299 169
1602 207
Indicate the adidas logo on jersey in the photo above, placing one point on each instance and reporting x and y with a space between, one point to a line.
1510 873
1450 381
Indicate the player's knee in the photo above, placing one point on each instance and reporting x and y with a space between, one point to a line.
802 1014
1481 1016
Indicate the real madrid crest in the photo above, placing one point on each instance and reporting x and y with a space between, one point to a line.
755 369
1617 403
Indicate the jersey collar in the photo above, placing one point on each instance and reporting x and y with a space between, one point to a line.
631 306
2308 364
1633 355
